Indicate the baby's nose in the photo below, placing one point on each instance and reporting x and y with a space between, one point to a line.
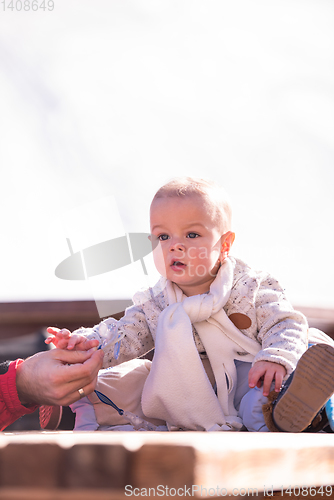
177 245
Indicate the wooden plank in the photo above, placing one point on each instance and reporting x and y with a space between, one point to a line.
156 464
20 318
113 494
60 494
317 313
318 317
181 464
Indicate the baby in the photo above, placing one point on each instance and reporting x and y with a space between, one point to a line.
224 334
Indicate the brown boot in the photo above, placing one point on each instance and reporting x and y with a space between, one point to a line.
299 405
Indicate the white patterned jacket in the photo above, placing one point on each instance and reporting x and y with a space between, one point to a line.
257 306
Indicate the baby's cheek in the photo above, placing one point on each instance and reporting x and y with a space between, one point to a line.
159 260
215 255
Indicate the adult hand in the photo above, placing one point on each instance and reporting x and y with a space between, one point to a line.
54 377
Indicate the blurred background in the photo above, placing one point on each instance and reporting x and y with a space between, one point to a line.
113 98
102 102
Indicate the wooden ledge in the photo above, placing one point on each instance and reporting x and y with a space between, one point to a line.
128 462
22 318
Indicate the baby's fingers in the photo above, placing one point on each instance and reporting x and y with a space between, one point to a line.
50 339
58 337
74 341
61 343
79 342
279 376
61 333
91 343
255 376
278 383
267 381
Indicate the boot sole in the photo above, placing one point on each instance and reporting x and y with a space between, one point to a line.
311 386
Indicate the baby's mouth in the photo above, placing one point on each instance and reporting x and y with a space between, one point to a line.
177 264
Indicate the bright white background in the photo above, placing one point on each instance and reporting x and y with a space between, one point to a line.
114 97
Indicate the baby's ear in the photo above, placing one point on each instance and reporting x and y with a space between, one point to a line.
229 238
226 243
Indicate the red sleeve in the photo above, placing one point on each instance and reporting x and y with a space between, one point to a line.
10 406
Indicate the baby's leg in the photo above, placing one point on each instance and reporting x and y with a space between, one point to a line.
248 401
301 402
251 410
85 419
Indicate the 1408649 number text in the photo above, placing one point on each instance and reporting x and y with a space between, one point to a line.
27 5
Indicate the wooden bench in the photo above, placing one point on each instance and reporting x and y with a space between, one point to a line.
113 465
22 318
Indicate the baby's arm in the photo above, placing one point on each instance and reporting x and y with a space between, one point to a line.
265 372
282 331
132 337
64 339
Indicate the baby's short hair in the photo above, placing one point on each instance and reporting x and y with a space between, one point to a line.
213 194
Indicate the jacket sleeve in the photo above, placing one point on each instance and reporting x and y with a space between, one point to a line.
135 338
10 406
282 331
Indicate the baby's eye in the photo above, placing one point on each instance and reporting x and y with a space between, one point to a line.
192 235
163 237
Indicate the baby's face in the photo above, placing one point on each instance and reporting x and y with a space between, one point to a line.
190 244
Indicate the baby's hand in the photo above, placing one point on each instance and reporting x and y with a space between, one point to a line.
63 339
266 372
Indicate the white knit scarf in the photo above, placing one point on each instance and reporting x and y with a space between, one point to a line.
177 389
